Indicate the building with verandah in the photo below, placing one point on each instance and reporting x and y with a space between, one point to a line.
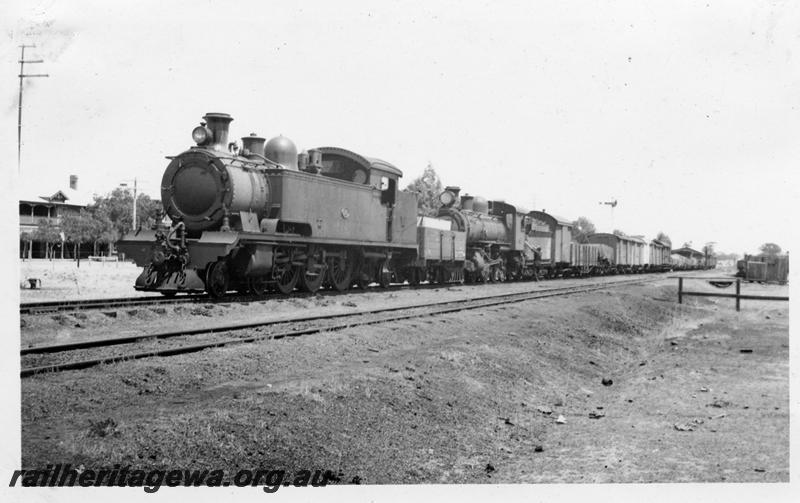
42 202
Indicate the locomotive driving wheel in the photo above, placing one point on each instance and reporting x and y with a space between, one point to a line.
217 279
284 274
340 271
258 285
287 280
313 272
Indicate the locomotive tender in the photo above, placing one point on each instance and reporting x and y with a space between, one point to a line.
267 217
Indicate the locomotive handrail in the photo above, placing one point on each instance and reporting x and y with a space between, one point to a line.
174 230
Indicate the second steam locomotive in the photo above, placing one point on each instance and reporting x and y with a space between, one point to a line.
265 217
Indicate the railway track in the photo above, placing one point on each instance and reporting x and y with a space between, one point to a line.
47 307
79 305
54 358
122 302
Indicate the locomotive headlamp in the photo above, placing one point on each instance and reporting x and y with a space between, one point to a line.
202 135
447 198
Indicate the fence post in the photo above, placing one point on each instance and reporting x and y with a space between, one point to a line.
738 291
680 290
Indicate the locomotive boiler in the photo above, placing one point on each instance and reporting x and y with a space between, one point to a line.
498 247
207 184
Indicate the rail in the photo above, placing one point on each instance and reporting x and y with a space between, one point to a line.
722 283
227 337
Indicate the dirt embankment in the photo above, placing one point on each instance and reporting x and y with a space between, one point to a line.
472 397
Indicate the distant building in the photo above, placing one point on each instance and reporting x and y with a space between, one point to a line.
38 204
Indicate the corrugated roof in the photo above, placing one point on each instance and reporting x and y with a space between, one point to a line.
621 238
559 220
688 252
43 193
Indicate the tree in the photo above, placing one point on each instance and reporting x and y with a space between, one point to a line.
427 187
770 249
117 208
147 210
662 236
618 232
581 228
79 228
27 245
113 215
103 232
47 232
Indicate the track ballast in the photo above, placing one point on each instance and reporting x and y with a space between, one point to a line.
51 358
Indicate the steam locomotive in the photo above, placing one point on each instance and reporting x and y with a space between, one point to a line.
267 217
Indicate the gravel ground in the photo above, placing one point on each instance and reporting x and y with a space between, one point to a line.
67 326
472 397
63 279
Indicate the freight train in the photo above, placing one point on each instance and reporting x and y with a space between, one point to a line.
265 217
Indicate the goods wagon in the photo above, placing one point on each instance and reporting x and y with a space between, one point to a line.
628 253
764 268
552 235
590 258
442 251
659 259
686 258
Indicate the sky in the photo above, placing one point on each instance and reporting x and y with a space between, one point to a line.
686 113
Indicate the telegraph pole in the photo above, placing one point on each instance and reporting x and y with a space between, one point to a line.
135 187
134 205
22 76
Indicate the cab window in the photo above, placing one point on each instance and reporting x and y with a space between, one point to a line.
388 189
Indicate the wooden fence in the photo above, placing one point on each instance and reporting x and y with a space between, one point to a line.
722 282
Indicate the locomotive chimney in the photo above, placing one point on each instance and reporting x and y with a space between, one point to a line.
73 182
253 144
218 125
